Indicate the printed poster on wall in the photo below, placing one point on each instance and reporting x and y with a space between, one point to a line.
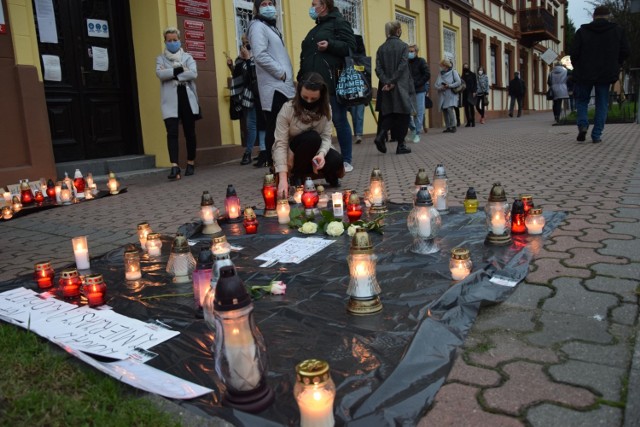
98 28
46 21
194 8
3 27
52 70
100 58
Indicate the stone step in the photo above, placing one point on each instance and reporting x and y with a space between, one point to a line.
99 167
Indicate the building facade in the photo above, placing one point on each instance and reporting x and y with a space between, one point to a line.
78 76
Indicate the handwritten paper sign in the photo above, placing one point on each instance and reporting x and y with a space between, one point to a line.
295 250
101 332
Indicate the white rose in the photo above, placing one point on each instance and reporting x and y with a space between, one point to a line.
308 228
278 288
335 228
351 230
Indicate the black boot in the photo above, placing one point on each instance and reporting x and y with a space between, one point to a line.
262 159
190 170
175 173
246 158
402 148
379 141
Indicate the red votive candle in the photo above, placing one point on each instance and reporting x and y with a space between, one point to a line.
43 275
70 283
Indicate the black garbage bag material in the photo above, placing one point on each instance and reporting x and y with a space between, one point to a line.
387 367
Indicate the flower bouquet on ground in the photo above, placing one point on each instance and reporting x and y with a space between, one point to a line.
332 226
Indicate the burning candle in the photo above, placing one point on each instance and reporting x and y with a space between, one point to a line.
240 351
113 184
376 193
518 217
7 213
498 223
535 221
354 210
314 392
7 197
154 244
424 224
250 221
338 207
460 263
81 252
58 191
283 211
70 283
297 196
43 275
132 264
143 231
94 290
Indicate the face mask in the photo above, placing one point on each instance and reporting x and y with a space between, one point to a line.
480 72
247 46
313 14
465 69
268 12
173 46
412 55
311 106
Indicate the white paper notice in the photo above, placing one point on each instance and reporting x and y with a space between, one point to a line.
503 281
549 56
46 21
52 70
295 250
97 28
100 58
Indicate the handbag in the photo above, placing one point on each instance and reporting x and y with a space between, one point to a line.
461 88
485 101
550 94
428 103
354 83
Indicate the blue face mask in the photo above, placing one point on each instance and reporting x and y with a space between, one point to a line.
412 55
173 46
313 14
268 12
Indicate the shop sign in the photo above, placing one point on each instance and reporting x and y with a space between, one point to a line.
194 8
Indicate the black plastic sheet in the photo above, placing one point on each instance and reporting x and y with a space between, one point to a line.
387 367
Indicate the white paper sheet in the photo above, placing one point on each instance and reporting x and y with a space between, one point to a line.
46 21
295 250
98 28
52 69
100 58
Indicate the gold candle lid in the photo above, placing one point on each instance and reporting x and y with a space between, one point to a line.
422 178
180 245
354 199
361 242
249 213
43 266
526 197
69 273
376 175
269 179
535 211
460 253
207 199
312 371
497 193
93 279
143 226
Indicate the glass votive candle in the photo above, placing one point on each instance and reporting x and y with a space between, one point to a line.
314 392
297 195
535 221
94 290
283 209
81 252
43 275
132 264
7 212
460 263
154 244
143 231
69 283
338 205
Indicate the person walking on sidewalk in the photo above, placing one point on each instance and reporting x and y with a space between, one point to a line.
273 66
420 74
469 95
357 111
396 96
482 94
323 51
597 53
177 72
517 89
557 81
448 80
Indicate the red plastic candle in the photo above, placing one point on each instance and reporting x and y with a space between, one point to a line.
51 190
26 196
528 203
354 210
269 195
39 198
250 221
310 196
70 283
43 275
94 290
517 217
232 205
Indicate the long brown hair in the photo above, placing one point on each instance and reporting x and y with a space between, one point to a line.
313 81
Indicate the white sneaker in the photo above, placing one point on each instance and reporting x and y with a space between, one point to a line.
416 138
347 167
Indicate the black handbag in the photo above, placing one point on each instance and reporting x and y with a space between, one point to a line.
354 83
428 103
550 94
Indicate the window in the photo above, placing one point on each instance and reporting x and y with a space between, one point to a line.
507 65
477 54
408 27
449 45
244 14
494 65
352 12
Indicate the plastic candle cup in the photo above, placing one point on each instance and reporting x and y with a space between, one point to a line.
535 221
81 252
43 275
70 283
94 290
338 207
460 263
283 211
154 244
132 264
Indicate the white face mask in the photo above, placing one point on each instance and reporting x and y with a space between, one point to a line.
480 72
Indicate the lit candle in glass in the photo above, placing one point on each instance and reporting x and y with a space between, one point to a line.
440 188
154 244
314 392
7 197
377 192
517 217
354 209
26 195
535 221
297 195
250 221
16 206
70 283
497 223
363 288
89 180
498 217
471 201
309 197
338 207
39 198
460 263
43 275
58 191
269 195
232 205
424 223
209 215
51 190
202 277
323 198
94 290
65 194
143 231
113 184
7 212
132 264
283 211
79 183
181 263
81 252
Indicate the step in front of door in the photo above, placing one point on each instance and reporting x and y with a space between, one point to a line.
99 167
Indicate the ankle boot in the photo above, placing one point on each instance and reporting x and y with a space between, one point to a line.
190 170
402 148
246 158
175 173
262 159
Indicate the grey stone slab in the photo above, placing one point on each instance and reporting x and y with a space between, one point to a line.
630 200
615 355
571 297
527 296
547 415
624 248
625 314
606 380
632 409
628 213
629 228
626 289
559 327
505 318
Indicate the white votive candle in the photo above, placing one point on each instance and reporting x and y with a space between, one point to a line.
81 252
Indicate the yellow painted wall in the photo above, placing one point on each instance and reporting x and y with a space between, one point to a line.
23 33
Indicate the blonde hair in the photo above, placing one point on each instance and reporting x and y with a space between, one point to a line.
446 63
391 28
170 30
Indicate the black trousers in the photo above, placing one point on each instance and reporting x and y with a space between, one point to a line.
557 108
188 127
305 146
397 123
480 105
469 111
271 118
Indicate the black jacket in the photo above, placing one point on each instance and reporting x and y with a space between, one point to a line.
517 87
597 52
338 32
420 73
470 80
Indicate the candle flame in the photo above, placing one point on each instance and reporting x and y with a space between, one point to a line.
317 395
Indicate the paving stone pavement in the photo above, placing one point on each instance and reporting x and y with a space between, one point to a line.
563 350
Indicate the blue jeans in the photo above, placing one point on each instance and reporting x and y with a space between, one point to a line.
343 130
415 124
357 118
583 96
252 130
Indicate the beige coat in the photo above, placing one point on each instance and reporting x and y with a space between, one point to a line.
287 127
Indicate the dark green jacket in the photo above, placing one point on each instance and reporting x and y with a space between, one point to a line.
338 32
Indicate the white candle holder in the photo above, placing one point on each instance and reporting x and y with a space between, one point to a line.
424 224
81 252
314 392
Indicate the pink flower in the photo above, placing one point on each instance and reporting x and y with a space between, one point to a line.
278 287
